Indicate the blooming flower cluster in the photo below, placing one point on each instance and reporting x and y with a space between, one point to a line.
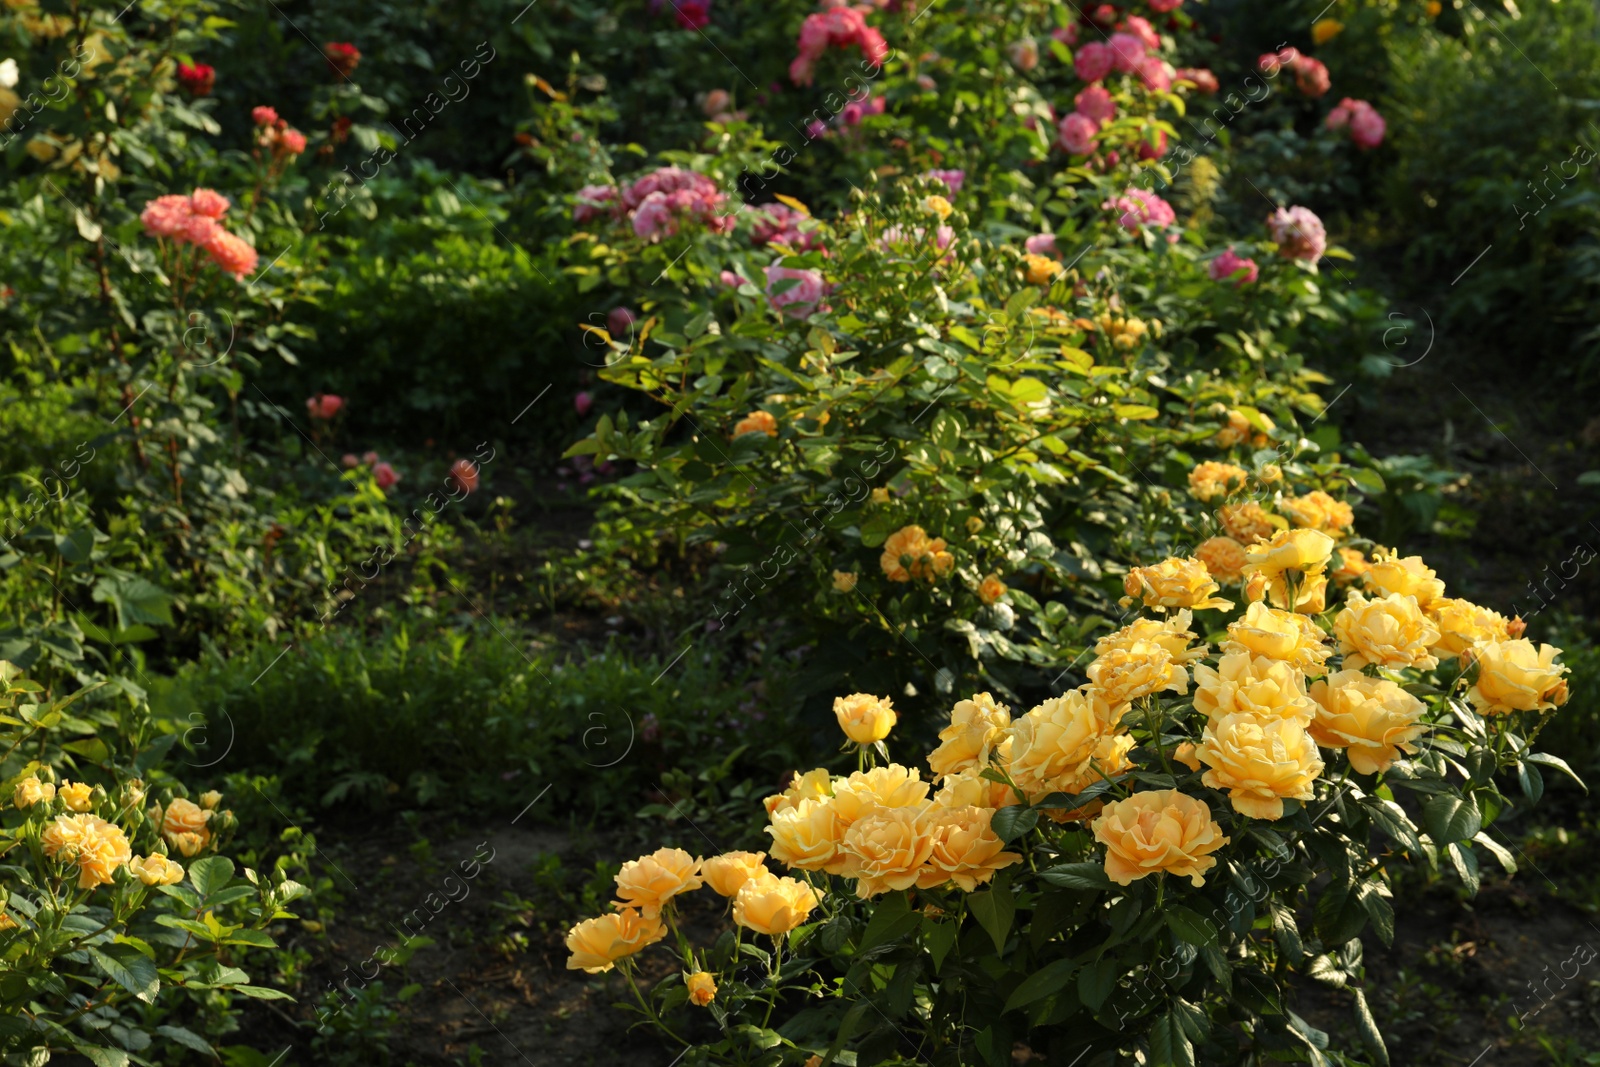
281 141
1298 233
1139 208
195 220
659 203
1310 75
838 27
1366 126
198 79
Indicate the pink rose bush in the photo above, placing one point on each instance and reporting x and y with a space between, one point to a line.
800 299
782 224
195 220
1298 234
1366 126
1230 266
1140 208
1310 75
658 204
839 27
1094 61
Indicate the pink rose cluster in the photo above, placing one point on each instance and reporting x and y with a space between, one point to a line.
1094 108
659 203
839 27
1310 75
1131 50
1201 78
382 472
276 135
324 406
193 220
800 299
1298 233
1365 124
781 224
1228 267
1140 208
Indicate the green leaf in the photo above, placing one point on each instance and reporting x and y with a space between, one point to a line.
261 992
1465 862
1049 980
1011 822
211 874
128 967
994 909
892 920
101 1056
1450 818
1286 932
1090 876
1531 780
1380 912
1096 981
136 601
939 939
186 1038
1559 764
1367 1027
1169 1045
1498 851
1190 925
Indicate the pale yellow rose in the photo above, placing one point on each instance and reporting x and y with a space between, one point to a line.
649 882
210 799
844 581
1210 480
597 944
725 874
970 789
1281 635
1173 583
1302 551
1390 631
155 869
977 727
1319 511
1389 574
774 907
965 849
1270 474
1372 719
910 553
885 849
1259 763
812 785
1156 832
1170 632
865 718
991 589
757 422
184 826
1224 558
936 205
1248 522
1125 674
893 786
97 847
1054 747
77 796
1241 684
189 843
31 791
1463 624
702 988
1517 676
806 835
1351 565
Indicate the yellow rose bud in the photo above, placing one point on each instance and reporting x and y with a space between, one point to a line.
1224 558
964 849
1185 754
1403 577
1125 674
844 581
155 870
1463 624
597 944
1372 719
77 796
1390 631
188 843
210 799
31 791
649 882
774 907
1264 688
1210 480
1280 635
702 988
7 923
1260 763
726 874
1517 676
865 718
991 589
977 729
1159 831
880 495
1270 474
1173 583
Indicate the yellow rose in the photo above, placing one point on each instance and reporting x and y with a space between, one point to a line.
774 907
1260 763
1240 428
155 869
725 874
1173 583
1264 688
806 835
96 846
1224 558
880 495
964 849
702 987
1247 522
1517 676
1325 30
977 727
1372 719
31 791
1158 831
1039 270
649 882
844 581
886 848
910 553
1056 746
893 786
865 718
991 589
1124 675
1280 635
1302 551
1270 474
210 799
1463 624
1310 591
184 826
597 944
757 422
813 785
77 796
1211 479
1389 631
1352 565
7 923
189 844
937 205
970 789
1404 577
1319 511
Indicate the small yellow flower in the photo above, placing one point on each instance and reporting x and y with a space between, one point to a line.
1352 565
1124 674
702 988
96 846
1247 522
813 785
991 589
1404 577
1319 511
844 581
1067 743
910 553
1270 474
31 791
1265 689
1040 270
937 205
880 495
974 525
1224 558
1211 479
1463 624
805 836
757 422
865 718
1280 635
964 849
1170 632
184 826
885 849
1325 30
1260 763
210 799
7 923
77 796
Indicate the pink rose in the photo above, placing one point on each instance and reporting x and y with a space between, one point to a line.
1228 265
1076 133
1203 79
1163 7
1041 244
1153 149
1311 76
264 116
324 405
594 201
800 299
386 476
1271 62
1141 28
583 402
293 141
1024 54
350 460
692 14
1067 35
732 280
1140 207
1126 52
1156 73
1093 61
208 202
463 475
1096 103
1367 128
1298 233
619 322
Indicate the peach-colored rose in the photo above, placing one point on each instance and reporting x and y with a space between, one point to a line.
1056 747
597 944
1158 831
1319 511
805 836
1241 684
977 728
1173 583
844 581
970 789
727 873
1403 577
910 553
1517 676
1224 558
965 849
702 988
991 589
1390 631
1247 522
865 718
885 849
774 907
155 869
1125 674
757 422
649 882
1170 632
1260 763
1185 754
1372 719
1280 635
184 826
1211 479
812 785
1463 624
893 786
97 847
1351 565
31 791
